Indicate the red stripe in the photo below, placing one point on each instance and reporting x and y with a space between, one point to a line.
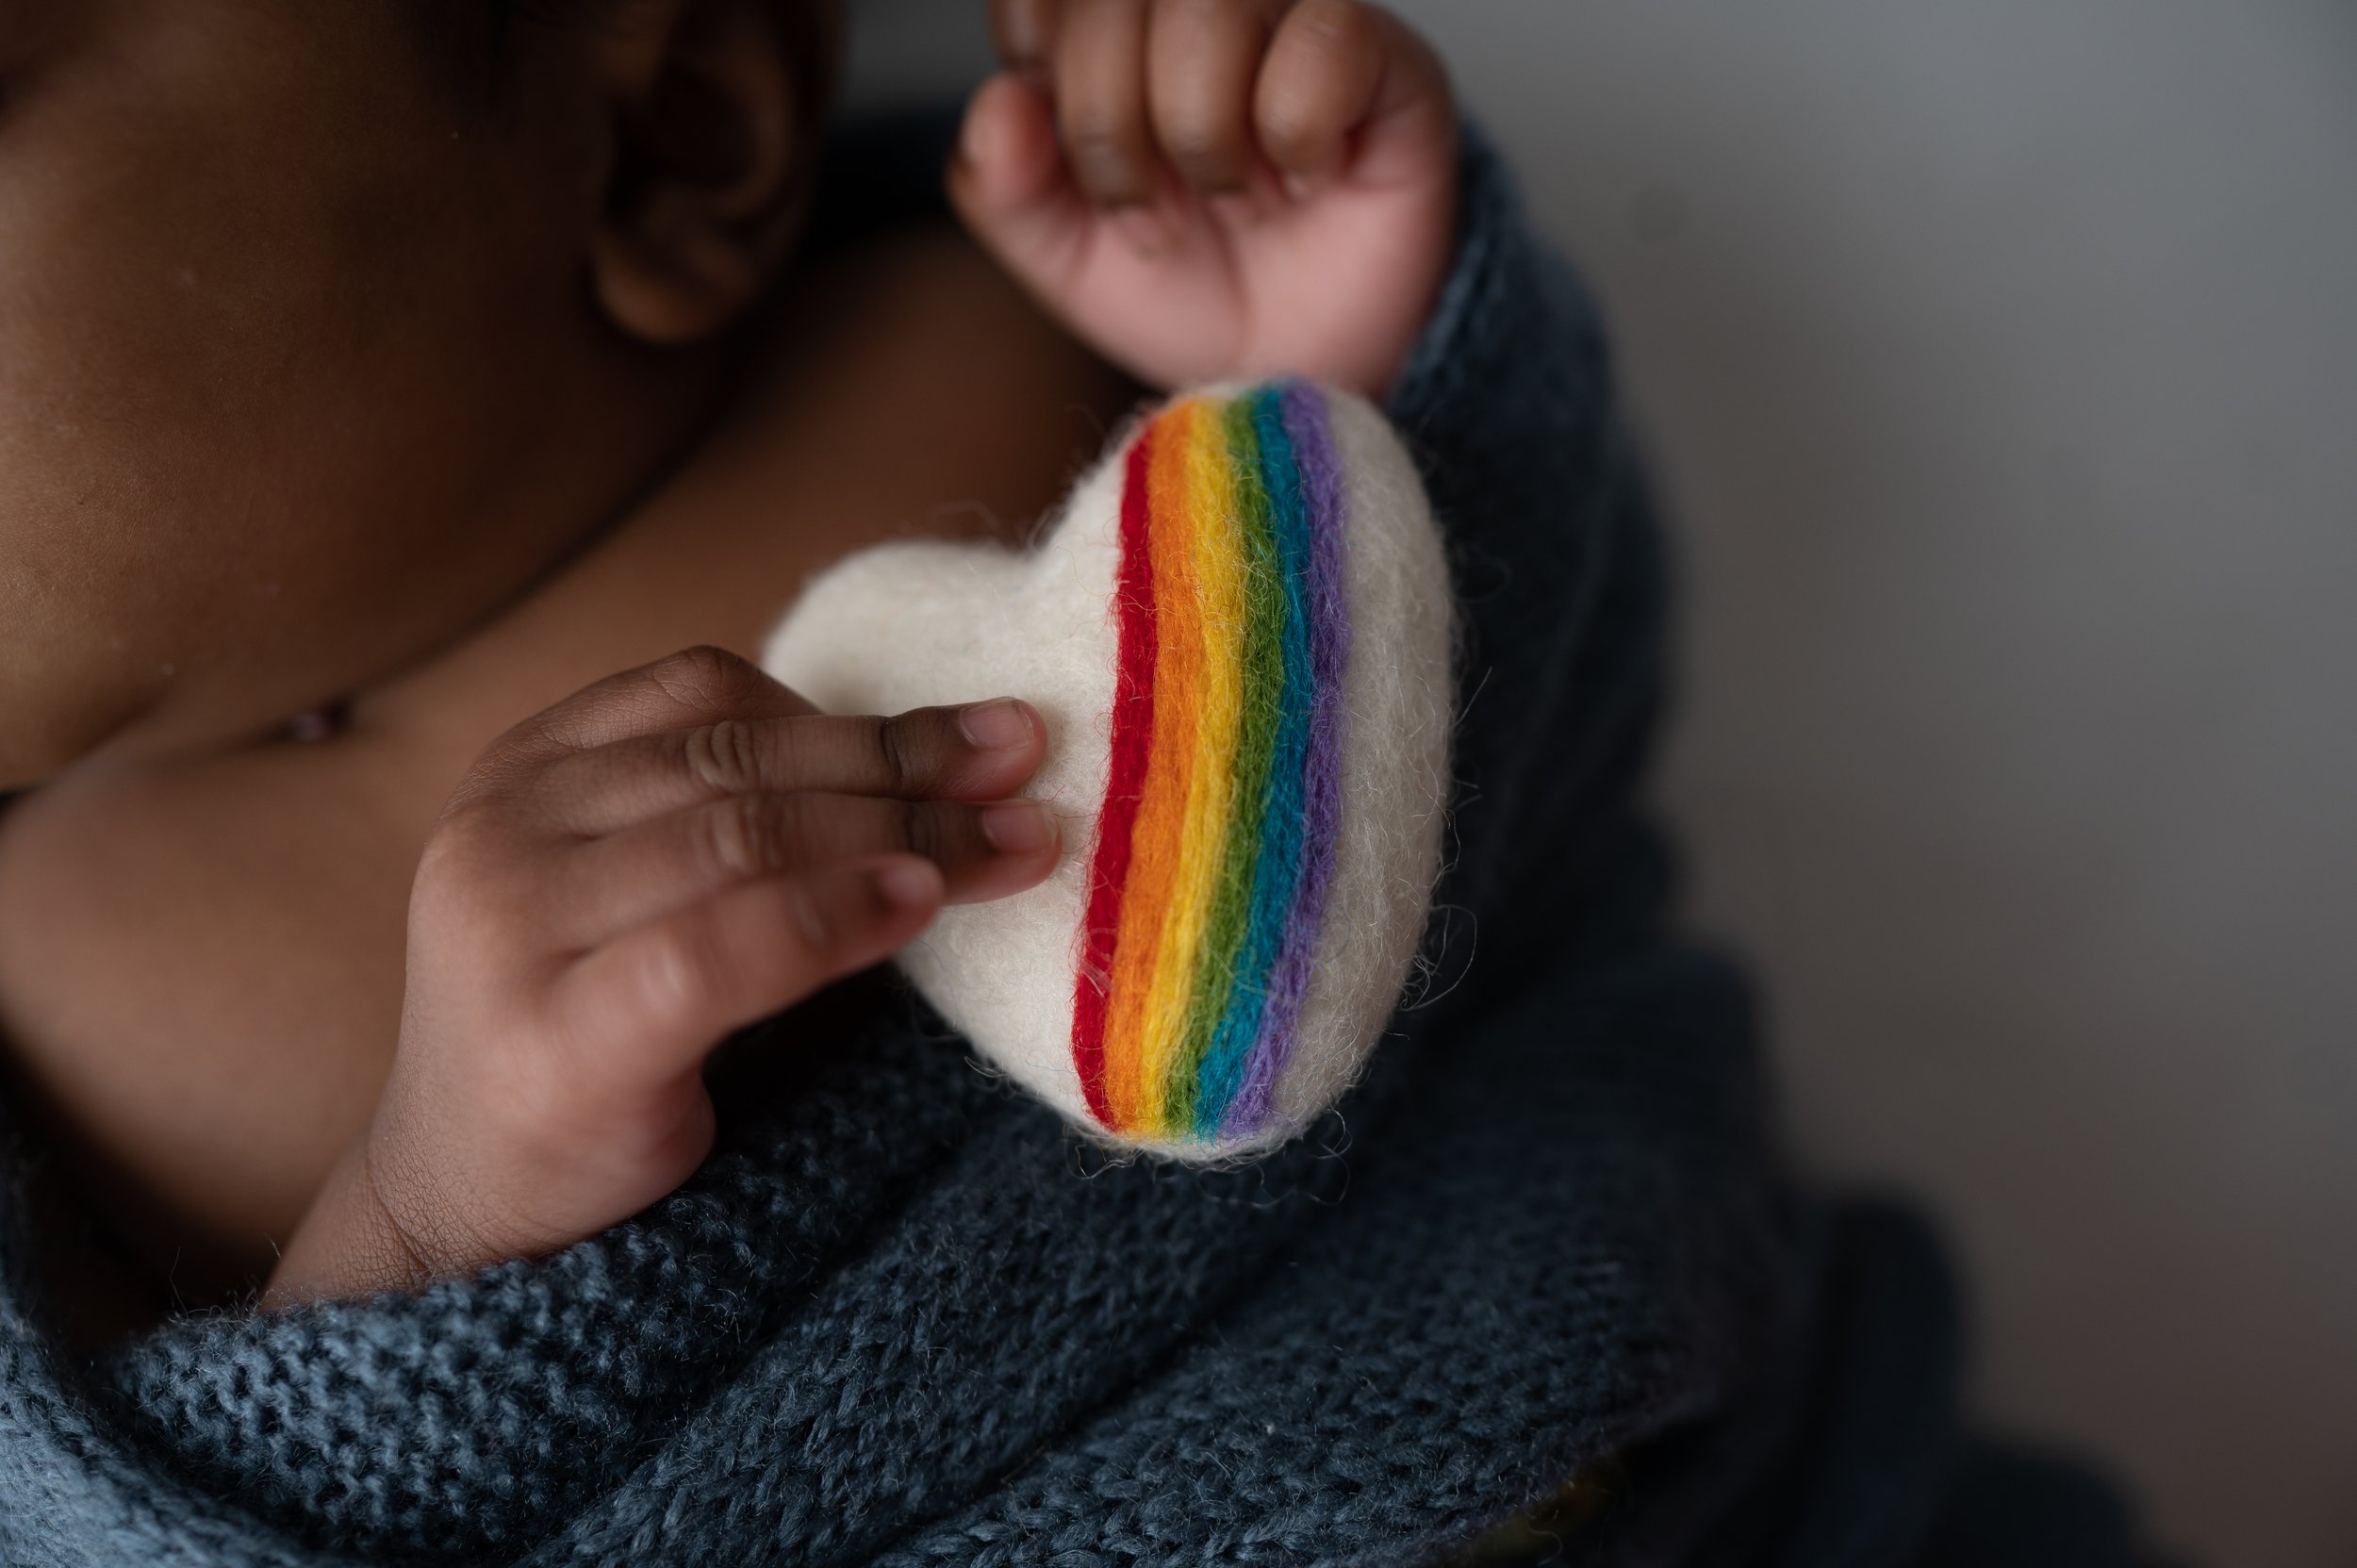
1124 781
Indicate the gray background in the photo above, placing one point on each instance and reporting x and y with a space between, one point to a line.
2000 359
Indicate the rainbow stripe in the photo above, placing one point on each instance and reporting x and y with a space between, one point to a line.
1214 848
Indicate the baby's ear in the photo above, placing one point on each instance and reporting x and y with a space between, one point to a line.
705 184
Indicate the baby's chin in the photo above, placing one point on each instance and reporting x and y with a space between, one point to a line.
43 737
51 723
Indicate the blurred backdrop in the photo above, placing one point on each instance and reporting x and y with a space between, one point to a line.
2001 364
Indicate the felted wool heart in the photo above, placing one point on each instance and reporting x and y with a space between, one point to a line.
1238 630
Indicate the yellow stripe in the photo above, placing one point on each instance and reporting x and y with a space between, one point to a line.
1217 563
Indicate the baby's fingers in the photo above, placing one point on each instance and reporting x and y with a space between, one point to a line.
691 686
1336 68
646 1008
1203 59
985 751
612 885
1101 103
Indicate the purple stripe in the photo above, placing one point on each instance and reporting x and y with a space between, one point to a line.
1321 471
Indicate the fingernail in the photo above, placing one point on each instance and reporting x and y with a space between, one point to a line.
1000 726
908 884
1019 828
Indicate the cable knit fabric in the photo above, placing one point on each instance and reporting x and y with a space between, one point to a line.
905 1318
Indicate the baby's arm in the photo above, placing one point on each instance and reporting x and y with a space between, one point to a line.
618 884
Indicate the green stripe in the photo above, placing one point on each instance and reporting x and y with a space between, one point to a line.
1262 700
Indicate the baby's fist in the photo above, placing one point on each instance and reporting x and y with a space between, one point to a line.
1209 189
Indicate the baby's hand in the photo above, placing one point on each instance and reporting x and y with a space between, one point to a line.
620 883
1207 190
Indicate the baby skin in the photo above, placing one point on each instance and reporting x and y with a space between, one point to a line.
348 370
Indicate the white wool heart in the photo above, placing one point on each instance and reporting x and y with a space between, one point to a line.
928 622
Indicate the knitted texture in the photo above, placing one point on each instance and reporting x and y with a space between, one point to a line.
906 1317
1253 811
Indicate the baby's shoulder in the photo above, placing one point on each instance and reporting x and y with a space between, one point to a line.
903 324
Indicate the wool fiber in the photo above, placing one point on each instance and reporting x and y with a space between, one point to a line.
1237 629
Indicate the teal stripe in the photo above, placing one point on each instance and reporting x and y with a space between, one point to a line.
1276 868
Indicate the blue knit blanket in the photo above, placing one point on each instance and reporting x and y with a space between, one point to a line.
902 1316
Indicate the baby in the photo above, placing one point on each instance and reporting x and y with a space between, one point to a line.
382 377
378 378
